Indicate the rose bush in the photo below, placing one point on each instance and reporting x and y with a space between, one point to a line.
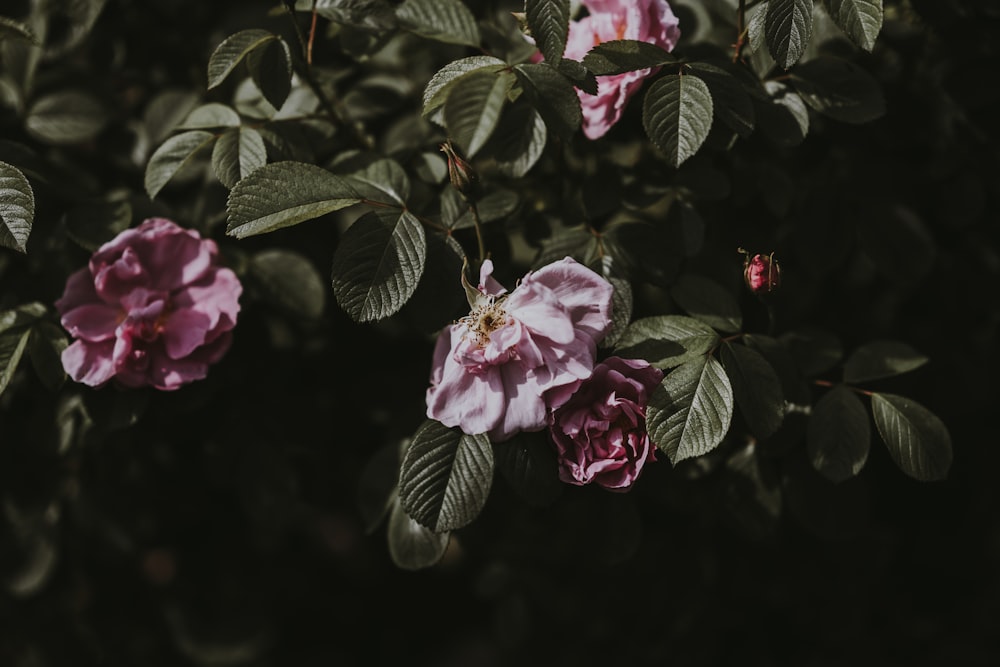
153 307
600 432
493 369
649 21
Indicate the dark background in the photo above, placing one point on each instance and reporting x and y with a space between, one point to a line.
221 524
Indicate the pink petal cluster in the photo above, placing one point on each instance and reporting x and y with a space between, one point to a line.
153 307
761 273
649 21
499 369
600 432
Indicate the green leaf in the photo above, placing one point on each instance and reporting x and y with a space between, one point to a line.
283 194
12 346
677 115
237 154
528 463
621 310
838 436
625 55
439 86
376 494
917 439
756 388
45 348
666 341
412 546
861 20
445 477
548 21
288 280
708 301
473 108
497 205
17 208
378 264
519 140
814 351
553 95
94 223
787 29
581 77
690 412
383 181
881 359
785 119
730 101
270 68
448 21
232 50
23 316
9 28
65 117
210 117
175 153
839 89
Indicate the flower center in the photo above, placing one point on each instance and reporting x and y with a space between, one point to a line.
485 319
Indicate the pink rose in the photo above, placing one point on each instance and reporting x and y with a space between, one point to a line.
641 20
154 307
600 432
495 368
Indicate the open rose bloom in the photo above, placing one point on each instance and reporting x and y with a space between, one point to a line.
499 369
649 21
153 307
600 432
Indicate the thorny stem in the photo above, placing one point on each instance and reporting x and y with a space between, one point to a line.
312 36
479 229
333 108
741 31
827 383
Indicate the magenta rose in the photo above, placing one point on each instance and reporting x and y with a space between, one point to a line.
600 432
494 368
641 20
154 307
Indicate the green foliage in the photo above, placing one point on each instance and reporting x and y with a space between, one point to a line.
917 439
445 476
65 117
553 96
706 300
173 155
667 340
232 51
413 546
447 21
289 281
283 194
548 21
677 115
625 55
238 153
839 89
881 359
690 412
756 388
787 29
17 208
378 264
839 434
473 107
861 20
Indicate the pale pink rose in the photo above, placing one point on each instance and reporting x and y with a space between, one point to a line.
495 368
153 307
600 432
641 20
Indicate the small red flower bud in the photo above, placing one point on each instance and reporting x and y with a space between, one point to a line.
460 172
761 272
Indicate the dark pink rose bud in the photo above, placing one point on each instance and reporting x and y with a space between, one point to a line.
460 173
761 272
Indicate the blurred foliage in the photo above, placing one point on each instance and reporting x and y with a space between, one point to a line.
248 519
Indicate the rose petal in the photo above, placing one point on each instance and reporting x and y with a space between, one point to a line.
89 363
